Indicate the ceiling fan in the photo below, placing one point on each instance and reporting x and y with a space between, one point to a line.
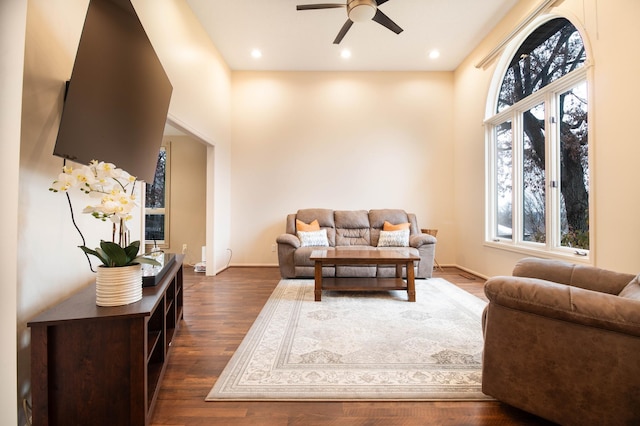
357 11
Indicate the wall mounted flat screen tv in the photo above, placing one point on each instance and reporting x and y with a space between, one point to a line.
118 96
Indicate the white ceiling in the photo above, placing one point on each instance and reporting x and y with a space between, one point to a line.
303 40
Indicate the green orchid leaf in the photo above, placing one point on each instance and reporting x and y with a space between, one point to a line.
147 260
95 253
112 255
132 250
116 254
107 261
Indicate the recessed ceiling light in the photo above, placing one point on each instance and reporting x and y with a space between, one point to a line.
345 53
256 53
434 54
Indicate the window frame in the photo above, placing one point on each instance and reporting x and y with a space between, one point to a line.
165 243
549 96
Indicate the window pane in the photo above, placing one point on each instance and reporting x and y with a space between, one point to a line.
574 168
504 180
553 50
154 227
154 197
533 175
157 201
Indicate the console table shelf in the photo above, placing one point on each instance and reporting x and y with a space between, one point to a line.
103 365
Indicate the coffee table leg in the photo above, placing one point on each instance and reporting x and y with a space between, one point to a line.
411 282
318 281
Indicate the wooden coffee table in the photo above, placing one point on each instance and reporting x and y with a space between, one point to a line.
365 257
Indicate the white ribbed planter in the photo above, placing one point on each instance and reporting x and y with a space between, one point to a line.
118 286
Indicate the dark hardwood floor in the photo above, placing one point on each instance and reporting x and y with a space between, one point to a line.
217 314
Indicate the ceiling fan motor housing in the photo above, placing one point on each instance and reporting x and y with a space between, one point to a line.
361 10
357 11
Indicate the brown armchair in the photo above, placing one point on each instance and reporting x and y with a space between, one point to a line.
562 341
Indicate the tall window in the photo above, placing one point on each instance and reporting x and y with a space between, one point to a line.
538 169
156 232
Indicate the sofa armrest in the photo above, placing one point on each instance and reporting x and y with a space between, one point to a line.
419 240
290 239
287 246
566 303
426 245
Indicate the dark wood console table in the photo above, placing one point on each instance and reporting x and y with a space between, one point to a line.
92 365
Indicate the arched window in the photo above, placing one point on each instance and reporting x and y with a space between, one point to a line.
538 169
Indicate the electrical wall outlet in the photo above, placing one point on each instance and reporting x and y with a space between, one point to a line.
273 247
184 249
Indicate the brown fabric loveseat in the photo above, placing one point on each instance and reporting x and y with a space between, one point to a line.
562 341
356 229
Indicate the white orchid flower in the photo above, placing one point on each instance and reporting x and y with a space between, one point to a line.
104 170
110 187
63 183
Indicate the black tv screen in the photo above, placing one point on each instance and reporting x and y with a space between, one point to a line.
118 95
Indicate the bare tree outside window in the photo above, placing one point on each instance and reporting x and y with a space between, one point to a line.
533 179
154 198
574 172
549 53
156 229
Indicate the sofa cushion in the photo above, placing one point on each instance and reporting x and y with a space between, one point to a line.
324 218
379 216
583 276
313 238
347 237
388 226
352 219
632 290
352 228
394 238
307 227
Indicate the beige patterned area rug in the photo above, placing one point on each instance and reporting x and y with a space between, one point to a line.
360 346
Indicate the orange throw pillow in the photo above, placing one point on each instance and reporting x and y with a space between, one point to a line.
399 227
304 227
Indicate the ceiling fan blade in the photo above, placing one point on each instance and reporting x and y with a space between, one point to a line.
319 6
385 21
379 2
343 31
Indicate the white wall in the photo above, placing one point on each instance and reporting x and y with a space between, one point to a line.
200 105
12 28
49 265
615 189
187 209
339 141
612 27
47 240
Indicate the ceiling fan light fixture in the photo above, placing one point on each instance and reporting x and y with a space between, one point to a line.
361 10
